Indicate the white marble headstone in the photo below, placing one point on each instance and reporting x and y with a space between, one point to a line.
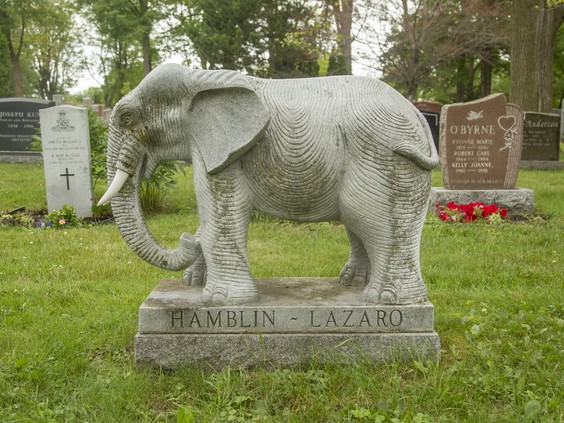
66 156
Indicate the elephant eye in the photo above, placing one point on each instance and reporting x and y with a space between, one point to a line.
127 119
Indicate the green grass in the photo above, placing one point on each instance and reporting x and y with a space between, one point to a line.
69 301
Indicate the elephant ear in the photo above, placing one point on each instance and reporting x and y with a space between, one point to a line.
225 124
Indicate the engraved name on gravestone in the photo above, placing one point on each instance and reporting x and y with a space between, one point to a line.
541 139
19 121
480 144
66 156
174 307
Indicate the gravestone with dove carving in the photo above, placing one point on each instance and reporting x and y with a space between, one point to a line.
480 150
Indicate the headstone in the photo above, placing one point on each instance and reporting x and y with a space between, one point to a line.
541 140
296 319
480 145
19 121
562 125
66 158
432 113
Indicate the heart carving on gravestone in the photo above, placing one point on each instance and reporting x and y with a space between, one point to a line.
506 122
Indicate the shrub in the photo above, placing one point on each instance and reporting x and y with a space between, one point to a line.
64 218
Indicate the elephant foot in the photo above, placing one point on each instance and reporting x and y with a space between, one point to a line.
196 274
217 295
390 294
354 275
387 295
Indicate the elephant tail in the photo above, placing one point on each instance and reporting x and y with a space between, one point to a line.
410 150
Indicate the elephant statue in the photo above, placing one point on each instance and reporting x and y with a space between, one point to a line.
341 148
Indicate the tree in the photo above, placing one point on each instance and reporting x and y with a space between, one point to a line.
51 49
5 68
441 40
412 48
146 14
343 12
558 66
535 24
294 34
222 34
14 19
269 38
124 38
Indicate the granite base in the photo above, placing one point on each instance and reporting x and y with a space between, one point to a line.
296 321
518 202
542 164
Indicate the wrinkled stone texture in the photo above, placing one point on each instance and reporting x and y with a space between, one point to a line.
320 149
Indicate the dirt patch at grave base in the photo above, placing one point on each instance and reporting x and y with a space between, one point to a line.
35 218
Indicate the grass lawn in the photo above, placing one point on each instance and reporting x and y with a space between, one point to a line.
69 300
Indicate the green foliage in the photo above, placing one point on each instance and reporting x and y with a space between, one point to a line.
269 38
154 189
124 38
51 41
39 34
98 143
64 218
5 68
337 64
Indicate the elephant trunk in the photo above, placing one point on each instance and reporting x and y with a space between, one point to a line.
128 214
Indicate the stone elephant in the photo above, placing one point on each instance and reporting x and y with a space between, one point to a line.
341 148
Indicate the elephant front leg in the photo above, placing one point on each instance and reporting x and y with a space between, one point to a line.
225 208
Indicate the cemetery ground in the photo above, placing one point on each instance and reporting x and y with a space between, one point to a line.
69 302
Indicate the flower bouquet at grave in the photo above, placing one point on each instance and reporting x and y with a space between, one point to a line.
470 212
64 218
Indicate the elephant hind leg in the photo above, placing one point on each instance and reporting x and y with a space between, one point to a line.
387 212
394 254
356 271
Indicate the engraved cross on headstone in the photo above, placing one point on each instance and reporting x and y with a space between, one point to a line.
67 174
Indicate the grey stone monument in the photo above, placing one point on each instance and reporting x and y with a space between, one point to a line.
432 112
66 158
542 136
344 148
480 147
19 121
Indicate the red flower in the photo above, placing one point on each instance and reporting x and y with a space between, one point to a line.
468 212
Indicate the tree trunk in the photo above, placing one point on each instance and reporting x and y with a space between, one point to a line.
486 70
343 10
532 40
147 59
146 37
17 78
15 53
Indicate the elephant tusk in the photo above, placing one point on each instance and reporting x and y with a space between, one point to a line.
115 187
